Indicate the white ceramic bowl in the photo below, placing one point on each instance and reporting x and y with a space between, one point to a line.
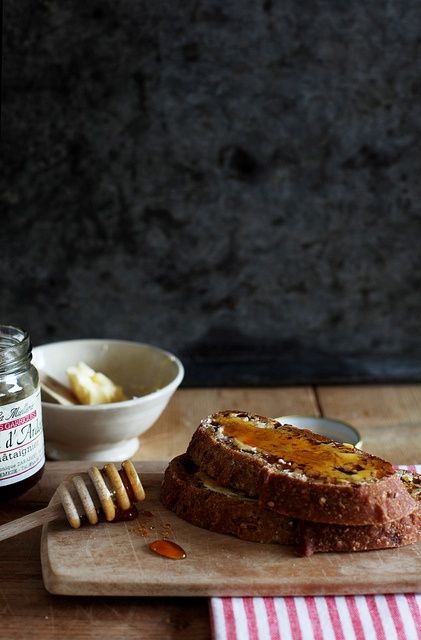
107 431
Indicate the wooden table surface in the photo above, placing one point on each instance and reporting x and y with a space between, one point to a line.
387 416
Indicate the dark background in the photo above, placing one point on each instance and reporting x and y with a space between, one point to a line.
236 181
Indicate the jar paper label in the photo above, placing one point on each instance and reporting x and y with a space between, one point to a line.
21 439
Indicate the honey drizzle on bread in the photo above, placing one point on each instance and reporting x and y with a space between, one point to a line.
303 452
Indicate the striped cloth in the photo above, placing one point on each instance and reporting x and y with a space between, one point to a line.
362 617
317 617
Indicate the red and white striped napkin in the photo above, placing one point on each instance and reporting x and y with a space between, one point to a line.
371 617
361 617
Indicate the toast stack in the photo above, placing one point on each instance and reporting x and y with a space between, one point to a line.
252 477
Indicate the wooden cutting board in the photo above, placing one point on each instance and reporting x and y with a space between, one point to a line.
114 559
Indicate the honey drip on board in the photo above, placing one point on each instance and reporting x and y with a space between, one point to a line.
306 454
167 549
123 515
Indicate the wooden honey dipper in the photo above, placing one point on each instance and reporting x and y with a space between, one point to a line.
86 495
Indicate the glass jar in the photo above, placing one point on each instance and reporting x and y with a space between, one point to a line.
22 456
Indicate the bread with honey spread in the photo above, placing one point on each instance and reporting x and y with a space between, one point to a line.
297 473
198 499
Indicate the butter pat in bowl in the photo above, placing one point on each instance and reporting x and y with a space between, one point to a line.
145 375
93 387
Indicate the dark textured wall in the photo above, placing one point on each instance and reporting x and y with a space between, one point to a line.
237 181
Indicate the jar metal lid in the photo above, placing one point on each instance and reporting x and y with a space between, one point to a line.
15 348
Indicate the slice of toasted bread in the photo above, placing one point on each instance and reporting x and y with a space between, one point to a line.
298 473
196 498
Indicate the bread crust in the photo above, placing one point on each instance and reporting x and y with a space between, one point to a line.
184 492
291 493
